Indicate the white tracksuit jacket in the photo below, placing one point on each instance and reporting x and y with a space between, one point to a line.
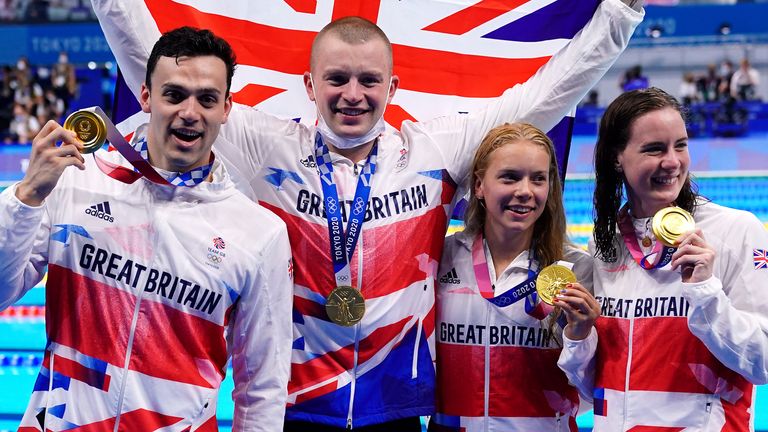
497 366
151 290
381 369
683 355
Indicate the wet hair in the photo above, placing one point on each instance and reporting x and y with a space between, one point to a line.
354 31
549 229
613 136
191 42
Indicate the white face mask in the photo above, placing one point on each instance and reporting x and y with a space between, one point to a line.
330 137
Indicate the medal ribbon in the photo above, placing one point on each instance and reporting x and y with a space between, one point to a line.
343 245
483 278
662 254
138 157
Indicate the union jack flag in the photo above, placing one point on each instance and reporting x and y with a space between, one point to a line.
218 243
450 55
760 258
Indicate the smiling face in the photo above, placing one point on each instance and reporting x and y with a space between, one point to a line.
655 161
350 83
188 103
515 188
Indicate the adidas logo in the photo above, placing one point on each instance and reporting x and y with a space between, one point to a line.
451 277
100 211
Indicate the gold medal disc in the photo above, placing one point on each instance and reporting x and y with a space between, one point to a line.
551 280
670 223
90 129
345 306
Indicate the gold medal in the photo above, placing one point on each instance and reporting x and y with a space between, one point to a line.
670 223
90 129
345 306
551 280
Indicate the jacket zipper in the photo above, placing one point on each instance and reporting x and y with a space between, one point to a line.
128 350
626 373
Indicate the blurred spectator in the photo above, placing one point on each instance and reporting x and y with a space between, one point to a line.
46 10
63 79
689 92
8 10
58 10
6 101
744 82
708 84
726 72
24 126
29 100
591 100
37 11
633 79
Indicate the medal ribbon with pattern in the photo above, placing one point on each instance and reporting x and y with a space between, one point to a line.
483 278
662 254
137 155
343 244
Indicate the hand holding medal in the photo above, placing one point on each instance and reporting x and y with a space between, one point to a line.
551 280
670 223
90 129
557 286
674 227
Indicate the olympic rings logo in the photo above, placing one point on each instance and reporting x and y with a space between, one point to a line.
359 205
214 258
330 205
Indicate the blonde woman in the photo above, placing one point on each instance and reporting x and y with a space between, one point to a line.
498 344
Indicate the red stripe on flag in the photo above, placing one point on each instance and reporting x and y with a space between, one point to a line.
612 352
328 388
396 115
331 364
309 308
275 48
737 417
79 372
319 369
95 319
473 16
406 239
254 94
90 316
211 425
303 6
460 370
511 366
441 72
368 9
667 366
287 51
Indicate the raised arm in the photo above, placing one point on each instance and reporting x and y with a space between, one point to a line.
552 92
24 230
131 33
262 338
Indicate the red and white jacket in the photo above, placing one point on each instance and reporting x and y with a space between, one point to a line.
151 290
382 368
497 366
683 356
